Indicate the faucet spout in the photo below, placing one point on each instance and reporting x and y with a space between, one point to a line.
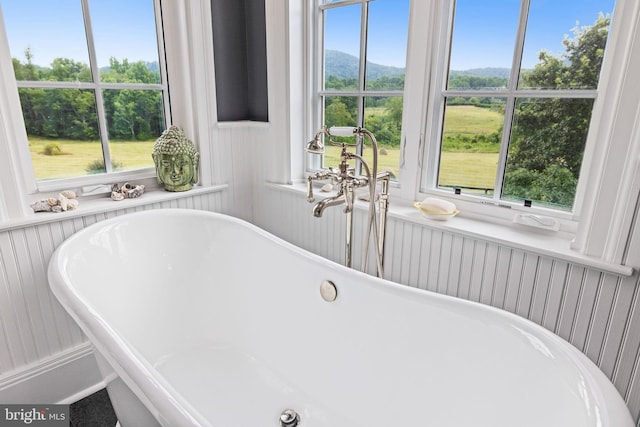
319 208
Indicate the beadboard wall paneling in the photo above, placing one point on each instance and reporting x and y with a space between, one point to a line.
238 146
34 328
597 312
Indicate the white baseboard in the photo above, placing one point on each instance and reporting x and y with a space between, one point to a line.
60 379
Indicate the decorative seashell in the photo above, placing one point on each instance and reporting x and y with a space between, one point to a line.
136 191
63 202
69 194
41 206
72 204
131 191
56 208
326 188
117 196
52 201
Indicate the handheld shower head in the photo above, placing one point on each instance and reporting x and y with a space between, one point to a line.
315 146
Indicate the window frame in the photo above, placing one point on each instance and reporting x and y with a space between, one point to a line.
495 206
511 94
22 155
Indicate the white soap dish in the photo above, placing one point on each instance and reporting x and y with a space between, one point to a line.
438 216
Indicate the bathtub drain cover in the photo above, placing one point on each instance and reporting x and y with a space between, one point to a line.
328 291
289 418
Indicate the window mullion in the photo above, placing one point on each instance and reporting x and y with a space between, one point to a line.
52 84
337 4
511 98
95 75
364 17
162 61
518 49
504 145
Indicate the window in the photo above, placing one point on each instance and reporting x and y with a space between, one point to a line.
517 85
363 47
577 164
92 84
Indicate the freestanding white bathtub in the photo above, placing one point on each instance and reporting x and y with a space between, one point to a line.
210 321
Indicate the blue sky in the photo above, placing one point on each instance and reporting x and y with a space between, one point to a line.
482 38
122 29
388 22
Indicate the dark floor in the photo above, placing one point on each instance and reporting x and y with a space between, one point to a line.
93 411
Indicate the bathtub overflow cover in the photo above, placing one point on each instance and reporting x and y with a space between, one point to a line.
328 291
289 418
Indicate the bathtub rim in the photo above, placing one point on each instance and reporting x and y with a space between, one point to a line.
143 379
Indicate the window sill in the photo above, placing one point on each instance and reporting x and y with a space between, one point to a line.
90 205
541 242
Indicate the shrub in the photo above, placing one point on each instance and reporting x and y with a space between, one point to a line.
52 149
97 166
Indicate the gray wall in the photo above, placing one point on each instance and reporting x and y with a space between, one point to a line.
239 39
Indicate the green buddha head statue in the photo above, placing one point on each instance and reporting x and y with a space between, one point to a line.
176 160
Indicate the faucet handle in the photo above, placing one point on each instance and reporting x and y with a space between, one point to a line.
310 197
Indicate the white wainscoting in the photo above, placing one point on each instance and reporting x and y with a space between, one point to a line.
44 356
598 312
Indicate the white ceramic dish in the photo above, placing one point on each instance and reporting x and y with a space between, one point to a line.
438 216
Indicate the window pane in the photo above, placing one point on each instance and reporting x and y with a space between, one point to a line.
471 143
342 47
62 127
387 44
483 42
338 111
383 118
135 119
552 57
124 34
47 39
545 154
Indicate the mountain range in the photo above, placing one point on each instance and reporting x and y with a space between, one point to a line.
345 66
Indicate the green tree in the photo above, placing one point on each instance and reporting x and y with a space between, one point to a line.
549 134
30 69
68 70
394 110
336 114
71 113
132 114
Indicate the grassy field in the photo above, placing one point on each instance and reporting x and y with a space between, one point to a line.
72 158
468 170
474 167
463 168
469 120
469 165
386 162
